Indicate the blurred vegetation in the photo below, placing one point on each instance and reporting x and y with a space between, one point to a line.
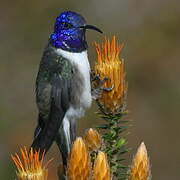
150 31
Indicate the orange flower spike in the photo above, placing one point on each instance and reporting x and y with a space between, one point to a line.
113 45
105 50
111 66
92 139
109 50
98 51
79 165
30 167
140 168
101 168
26 155
17 162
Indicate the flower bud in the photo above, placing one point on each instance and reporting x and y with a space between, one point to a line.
93 139
101 167
79 165
140 168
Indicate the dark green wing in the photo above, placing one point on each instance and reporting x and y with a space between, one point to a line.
52 94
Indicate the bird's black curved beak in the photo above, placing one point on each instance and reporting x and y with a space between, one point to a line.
91 27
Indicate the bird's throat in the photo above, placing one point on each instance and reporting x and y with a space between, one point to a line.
71 44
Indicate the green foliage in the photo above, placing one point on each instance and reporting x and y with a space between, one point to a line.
114 143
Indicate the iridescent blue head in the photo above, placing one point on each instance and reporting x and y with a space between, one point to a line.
69 32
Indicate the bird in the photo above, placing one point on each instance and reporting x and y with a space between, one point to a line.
63 87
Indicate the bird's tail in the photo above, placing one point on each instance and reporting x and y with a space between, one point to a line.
45 136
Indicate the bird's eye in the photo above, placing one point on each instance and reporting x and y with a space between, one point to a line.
66 25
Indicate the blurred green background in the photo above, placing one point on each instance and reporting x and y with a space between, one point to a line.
150 31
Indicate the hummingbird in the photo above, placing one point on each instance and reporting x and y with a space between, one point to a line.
63 88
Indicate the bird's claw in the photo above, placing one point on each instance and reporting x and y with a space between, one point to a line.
97 78
108 89
98 90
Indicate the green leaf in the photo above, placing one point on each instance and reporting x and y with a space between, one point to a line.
120 142
104 126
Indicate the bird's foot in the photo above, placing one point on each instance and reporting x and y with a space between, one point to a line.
99 87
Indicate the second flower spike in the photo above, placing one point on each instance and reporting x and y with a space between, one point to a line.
101 168
79 164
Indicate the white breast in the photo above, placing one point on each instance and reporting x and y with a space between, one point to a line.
82 63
